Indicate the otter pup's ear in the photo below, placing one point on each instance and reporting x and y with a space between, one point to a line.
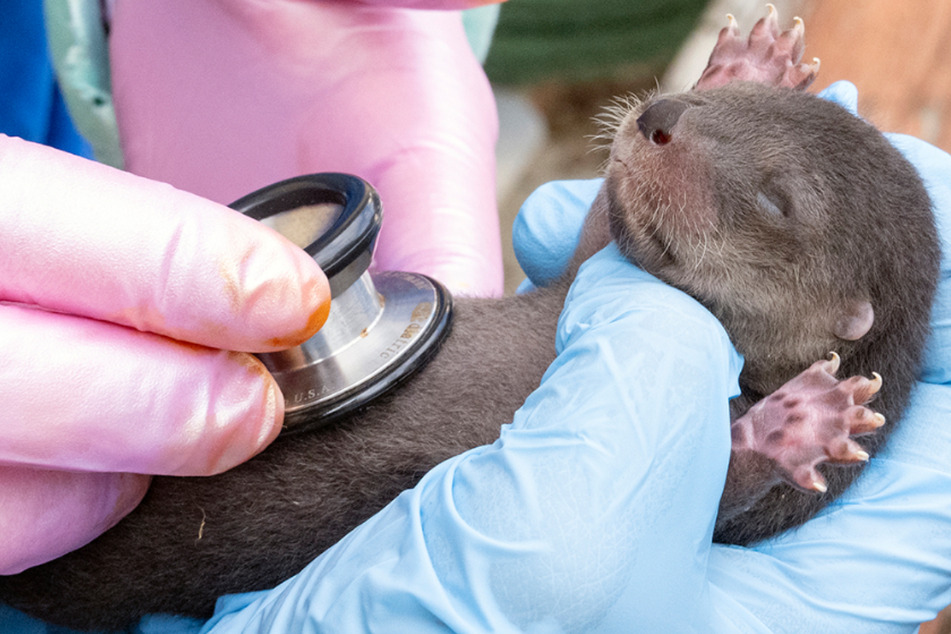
854 321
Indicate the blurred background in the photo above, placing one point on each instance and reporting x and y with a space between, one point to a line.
555 64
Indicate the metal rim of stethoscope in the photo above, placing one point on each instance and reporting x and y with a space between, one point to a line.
382 327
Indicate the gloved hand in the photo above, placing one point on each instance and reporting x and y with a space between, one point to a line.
120 300
220 98
594 518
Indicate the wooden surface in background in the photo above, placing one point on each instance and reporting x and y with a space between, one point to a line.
897 53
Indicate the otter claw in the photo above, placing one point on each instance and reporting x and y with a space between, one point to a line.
799 26
832 364
732 27
846 452
792 43
767 27
863 389
809 479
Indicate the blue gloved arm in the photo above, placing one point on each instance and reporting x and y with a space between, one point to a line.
579 516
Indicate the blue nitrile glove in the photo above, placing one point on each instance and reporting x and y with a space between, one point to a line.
548 227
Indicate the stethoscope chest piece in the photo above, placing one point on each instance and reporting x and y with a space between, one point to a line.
382 326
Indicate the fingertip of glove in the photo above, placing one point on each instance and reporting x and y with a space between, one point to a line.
129 490
249 414
282 303
843 93
317 312
268 411
545 233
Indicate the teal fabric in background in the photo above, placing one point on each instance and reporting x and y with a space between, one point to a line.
480 25
77 40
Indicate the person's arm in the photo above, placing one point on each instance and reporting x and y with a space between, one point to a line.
222 98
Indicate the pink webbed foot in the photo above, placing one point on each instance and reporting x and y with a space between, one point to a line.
768 56
808 421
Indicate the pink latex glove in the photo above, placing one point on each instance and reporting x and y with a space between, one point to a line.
220 97
120 299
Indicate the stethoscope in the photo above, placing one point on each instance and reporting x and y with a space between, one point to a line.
382 326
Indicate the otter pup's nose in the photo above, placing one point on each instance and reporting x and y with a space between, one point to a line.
658 120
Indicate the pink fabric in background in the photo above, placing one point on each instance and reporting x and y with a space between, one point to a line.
220 97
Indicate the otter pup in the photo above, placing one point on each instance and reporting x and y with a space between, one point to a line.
793 221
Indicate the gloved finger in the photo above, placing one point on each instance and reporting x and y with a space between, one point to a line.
45 514
88 395
548 225
391 95
83 238
843 93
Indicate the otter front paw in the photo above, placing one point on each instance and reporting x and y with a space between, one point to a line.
809 420
768 56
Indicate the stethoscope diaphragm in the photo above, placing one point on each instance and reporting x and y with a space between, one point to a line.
382 326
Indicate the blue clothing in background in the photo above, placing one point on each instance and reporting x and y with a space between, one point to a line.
31 106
